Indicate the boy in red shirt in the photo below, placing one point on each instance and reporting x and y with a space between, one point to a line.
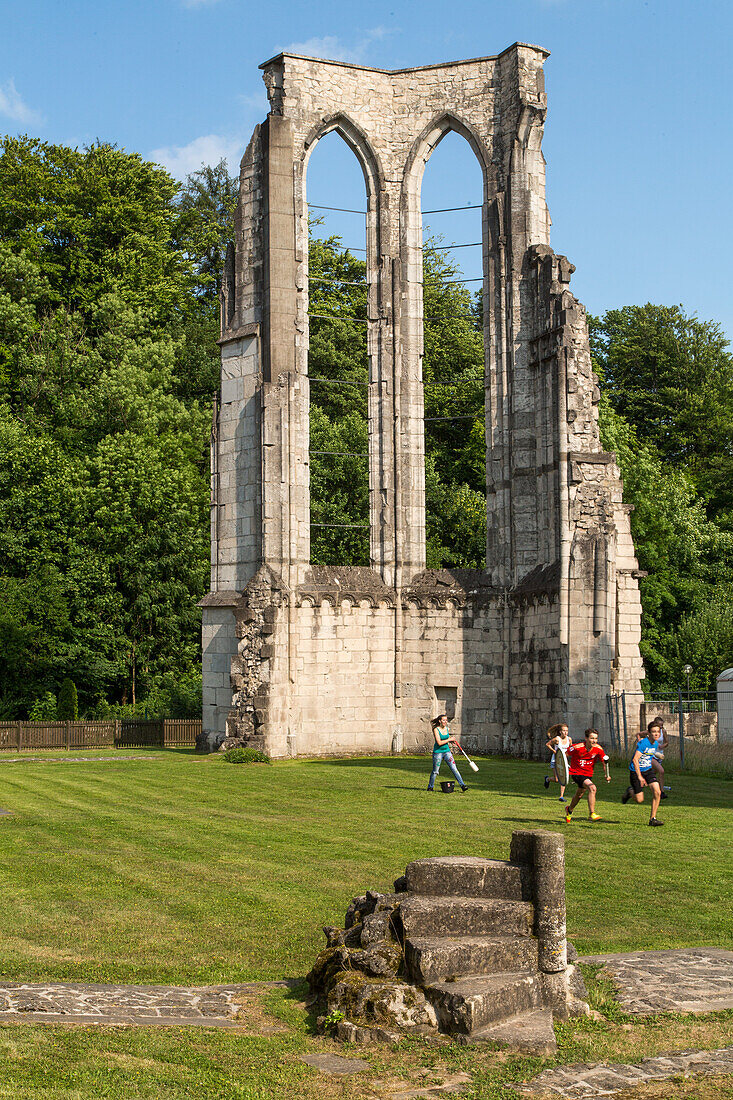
582 758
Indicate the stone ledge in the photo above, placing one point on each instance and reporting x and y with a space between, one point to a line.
241 333
603 458
227 598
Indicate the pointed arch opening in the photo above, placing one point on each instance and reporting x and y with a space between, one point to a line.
447 185
340 228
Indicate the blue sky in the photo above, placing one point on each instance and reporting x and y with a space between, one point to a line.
638 137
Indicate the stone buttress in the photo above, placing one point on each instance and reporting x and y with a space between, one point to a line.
312 659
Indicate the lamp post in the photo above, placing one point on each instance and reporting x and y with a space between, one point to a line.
687 669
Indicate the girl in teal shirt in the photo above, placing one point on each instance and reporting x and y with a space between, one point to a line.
441 750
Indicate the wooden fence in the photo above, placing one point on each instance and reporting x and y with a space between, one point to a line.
124 733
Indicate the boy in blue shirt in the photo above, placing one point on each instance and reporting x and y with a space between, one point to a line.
642 771
662 744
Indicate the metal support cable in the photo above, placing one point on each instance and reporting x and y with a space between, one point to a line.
445 317
336 317
450 381
445 247
345 317
361 526
433 419
338 381
346 210
421 248
338 209
336 282
365 286
451 209
376 320
351 382
451 282
352 454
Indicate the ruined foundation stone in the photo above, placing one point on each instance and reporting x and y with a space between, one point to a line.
468 948
305 659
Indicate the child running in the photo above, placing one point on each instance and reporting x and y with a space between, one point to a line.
558 737
642 773
582 758
661 744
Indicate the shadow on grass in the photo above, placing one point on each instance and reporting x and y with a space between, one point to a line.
514 777
397 787
298 997
580 819
184 750
419 766
402 763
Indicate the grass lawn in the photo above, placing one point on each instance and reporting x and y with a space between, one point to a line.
164 867
56 1063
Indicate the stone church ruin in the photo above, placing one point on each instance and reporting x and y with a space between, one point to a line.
305 659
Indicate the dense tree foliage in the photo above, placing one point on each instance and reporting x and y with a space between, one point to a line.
109 282
96 223
338 367
103 471
667 412
67 702
339 373
453 376
671 377
204 228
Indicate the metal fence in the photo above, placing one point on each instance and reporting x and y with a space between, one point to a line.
685 718
121 733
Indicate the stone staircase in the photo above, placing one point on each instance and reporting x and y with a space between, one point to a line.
467 936
466 947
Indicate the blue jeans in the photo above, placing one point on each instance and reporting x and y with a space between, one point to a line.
438 758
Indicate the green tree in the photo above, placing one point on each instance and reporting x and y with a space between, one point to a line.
21 287
455 447
205 225
97 222
103 458
685 554
338 369
67 704
671 377
704 640
44 708
204 228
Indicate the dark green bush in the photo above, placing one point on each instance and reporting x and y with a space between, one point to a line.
242 755
67 704
44 709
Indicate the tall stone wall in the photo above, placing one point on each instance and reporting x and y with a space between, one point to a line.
345 660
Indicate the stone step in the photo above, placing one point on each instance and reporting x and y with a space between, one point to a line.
528 1033
472 1003
470 877
448 916
435 958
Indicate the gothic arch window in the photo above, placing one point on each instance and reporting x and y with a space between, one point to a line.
339 178
447 184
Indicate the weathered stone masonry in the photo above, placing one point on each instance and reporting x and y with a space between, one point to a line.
306 659
469 947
